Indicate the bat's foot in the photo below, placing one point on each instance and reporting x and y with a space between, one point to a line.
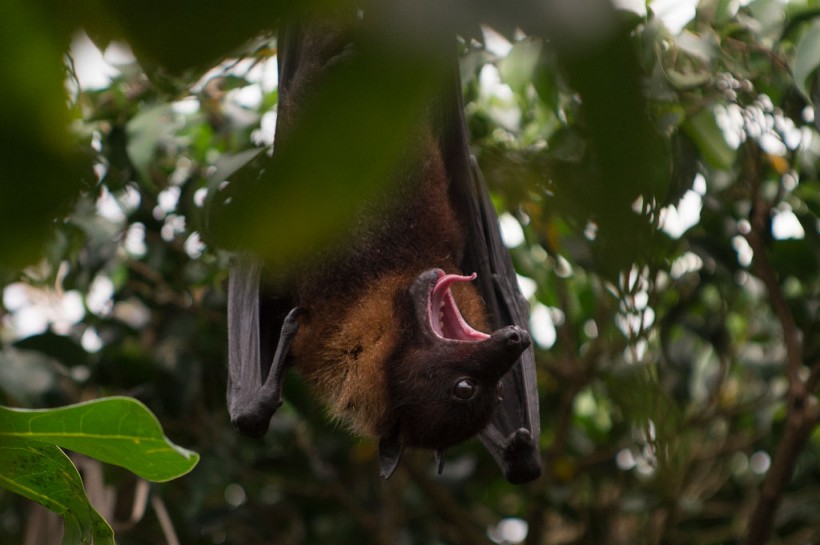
521 461
254 421
251 406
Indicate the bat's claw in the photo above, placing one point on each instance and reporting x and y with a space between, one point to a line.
390 451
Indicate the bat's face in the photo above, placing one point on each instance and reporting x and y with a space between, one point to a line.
447 377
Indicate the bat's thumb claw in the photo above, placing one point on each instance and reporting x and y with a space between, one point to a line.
390 450
439 461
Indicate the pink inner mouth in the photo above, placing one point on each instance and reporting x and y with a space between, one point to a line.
445 318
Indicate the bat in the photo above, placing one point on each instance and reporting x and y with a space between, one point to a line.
415 335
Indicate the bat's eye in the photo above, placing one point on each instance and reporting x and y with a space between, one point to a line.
465 389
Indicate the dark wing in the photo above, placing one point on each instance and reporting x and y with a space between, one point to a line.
512 435
260 330
261 323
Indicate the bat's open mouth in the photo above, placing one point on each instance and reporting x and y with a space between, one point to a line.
445 318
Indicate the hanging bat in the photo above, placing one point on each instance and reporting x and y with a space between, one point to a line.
417 333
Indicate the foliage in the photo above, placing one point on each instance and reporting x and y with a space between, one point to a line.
678 360
120 431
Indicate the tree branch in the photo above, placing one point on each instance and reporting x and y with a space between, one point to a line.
801 416
797 432
763 269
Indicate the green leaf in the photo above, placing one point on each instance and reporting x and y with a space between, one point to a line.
43 473
116 430
145 132
807 59
518 67
545 81
708 137
769 17
724 11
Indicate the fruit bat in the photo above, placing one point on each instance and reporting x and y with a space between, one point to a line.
416 334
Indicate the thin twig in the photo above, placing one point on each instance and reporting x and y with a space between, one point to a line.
341 492
164 520
448 507
747 47
577 372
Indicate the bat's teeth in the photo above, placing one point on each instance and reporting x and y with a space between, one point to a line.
451 324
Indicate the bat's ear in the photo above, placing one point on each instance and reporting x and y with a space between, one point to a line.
390 449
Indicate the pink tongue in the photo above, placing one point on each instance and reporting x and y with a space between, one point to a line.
445 317
445 281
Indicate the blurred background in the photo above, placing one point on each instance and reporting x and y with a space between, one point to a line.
654 166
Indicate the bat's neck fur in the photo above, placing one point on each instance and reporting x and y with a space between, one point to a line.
352 322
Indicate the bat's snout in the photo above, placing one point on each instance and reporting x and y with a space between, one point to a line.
511 340
503 349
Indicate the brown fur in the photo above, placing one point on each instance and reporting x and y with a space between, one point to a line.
352 324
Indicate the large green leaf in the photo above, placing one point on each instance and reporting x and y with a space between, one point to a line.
350 140
43 473
116 430
40 170
180 37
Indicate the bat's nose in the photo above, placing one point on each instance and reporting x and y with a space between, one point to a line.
513 337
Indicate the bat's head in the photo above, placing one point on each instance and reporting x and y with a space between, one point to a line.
445 375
